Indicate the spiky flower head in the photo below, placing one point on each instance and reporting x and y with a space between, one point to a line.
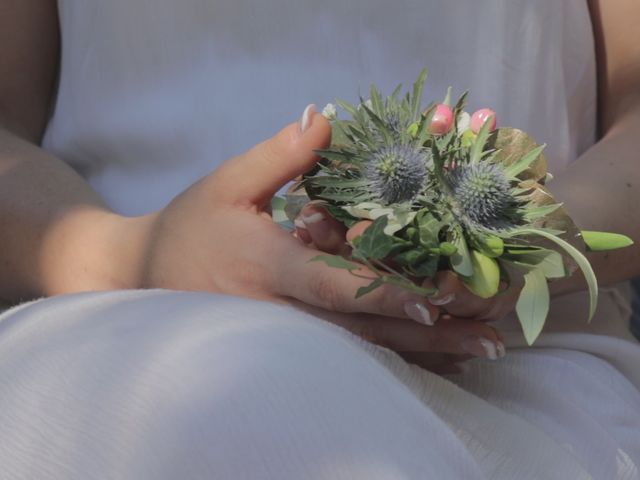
482 197
397 173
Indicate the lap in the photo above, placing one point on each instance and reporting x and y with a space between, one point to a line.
166 385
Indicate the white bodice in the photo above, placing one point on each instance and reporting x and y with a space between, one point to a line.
155 94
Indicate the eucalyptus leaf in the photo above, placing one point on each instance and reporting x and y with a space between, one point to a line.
548 261
579 258
602 241
533 304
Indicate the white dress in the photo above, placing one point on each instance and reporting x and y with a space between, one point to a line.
166 385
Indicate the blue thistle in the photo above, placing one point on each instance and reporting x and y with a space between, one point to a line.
397 173
482 196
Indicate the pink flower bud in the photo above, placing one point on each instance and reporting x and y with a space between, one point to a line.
481 116
442 120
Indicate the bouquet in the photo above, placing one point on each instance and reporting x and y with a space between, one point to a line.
447 190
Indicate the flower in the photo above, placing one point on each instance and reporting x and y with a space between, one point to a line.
329 112
481 116
397 173
442 119
482 197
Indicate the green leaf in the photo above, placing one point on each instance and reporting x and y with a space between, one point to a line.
339 214
346 106
427 268
335 261
369 288
382 127
512 145
549 261
374 243
411 257
376 101
601 241
578 257
524 163
429 228
535 213
485 280
481 140
416 98
461 260
533 304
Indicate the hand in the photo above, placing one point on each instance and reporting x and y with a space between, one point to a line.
460 338
456 299
218 236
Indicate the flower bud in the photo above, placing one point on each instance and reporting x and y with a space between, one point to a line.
442 120
480 117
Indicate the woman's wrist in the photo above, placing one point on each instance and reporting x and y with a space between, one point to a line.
91 249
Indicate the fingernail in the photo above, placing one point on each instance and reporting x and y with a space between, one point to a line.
307 116
442 301
481 347
313 218
501 350
418 312
298 222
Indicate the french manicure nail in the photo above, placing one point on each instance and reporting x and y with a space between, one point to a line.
481 347
418 312
500 349
313 218
307 115
298 222
442 301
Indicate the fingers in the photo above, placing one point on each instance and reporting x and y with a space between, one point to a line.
454 297
315 226
334 289
255 176
456 336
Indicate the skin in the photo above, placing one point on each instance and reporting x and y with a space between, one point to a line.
598 189
59 237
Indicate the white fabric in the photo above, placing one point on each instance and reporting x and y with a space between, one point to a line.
162 385
155 93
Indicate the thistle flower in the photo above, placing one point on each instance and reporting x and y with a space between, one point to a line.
482 197
397 173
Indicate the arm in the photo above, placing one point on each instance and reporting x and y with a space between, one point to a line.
601 189
49 214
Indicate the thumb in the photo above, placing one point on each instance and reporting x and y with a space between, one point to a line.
255 176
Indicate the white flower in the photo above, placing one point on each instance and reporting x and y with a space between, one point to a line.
329 112
464 122
397 218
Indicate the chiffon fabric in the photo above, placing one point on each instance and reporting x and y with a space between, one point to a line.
165 385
